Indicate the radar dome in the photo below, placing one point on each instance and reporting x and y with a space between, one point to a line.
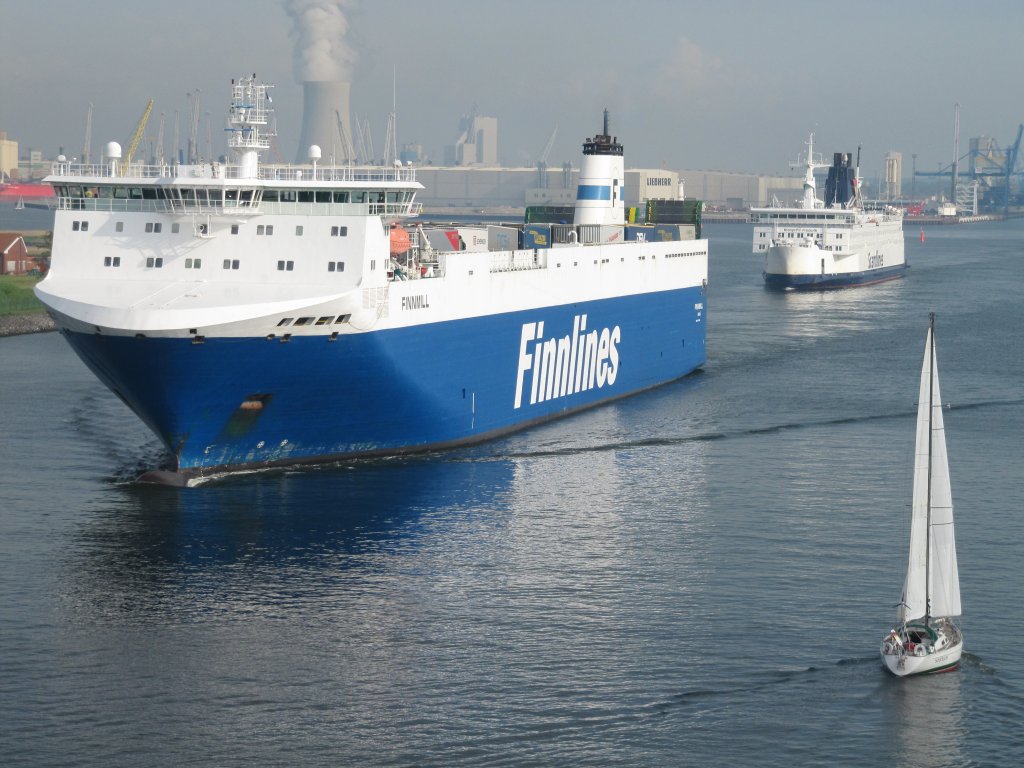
113 150
314 152
61 159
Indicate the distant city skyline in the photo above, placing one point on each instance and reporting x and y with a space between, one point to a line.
730 86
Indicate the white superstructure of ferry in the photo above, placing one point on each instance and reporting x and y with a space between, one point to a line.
835 242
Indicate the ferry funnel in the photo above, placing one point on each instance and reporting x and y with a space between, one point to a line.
602 181
323 102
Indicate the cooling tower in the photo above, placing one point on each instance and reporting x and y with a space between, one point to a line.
323 101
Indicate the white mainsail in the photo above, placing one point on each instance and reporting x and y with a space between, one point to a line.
932 570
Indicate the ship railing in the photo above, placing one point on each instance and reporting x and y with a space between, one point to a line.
522 259
337 174
235 207
215 170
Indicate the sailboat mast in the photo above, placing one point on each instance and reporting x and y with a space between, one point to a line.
928 517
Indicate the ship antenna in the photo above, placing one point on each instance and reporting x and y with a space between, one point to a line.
606 123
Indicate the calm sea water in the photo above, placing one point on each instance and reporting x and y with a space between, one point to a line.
28 218
699 575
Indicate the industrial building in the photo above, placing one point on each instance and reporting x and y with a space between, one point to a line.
482 187
8 157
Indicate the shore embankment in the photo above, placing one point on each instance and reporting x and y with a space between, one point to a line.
36 322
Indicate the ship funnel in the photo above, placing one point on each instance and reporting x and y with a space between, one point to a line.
324 101
602 181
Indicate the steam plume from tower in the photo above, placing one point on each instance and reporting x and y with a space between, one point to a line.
323 64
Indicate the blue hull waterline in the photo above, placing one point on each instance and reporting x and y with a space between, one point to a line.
829 282
230 403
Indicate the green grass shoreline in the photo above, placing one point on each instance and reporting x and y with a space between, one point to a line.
17 297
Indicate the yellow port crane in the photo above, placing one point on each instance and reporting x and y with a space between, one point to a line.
133 144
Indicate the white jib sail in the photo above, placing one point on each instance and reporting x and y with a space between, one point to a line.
943 582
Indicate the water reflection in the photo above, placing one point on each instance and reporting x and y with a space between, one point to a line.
925 719
807 314
274 540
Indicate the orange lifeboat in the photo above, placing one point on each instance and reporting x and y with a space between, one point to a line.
400 242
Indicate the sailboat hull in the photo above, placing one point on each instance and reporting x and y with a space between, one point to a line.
907 664
919 647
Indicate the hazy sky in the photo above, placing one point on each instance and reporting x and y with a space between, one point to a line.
724 85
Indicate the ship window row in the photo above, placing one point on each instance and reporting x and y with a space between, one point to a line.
201 195
111 261
286 266
193 263
335 266
264 229
230 263
80 226
324 320
337 196
154 262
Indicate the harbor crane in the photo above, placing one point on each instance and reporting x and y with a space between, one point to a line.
542 161
87 144
990 167
133 143
346 145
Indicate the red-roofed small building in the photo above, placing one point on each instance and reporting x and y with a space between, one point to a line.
14 258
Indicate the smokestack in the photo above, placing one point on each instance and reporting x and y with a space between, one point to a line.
323 102
323 64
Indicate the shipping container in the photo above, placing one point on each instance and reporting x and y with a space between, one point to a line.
550 214
500 238
442 239
640 233
675 212
600 233
537 236
635 215
562 234
472 238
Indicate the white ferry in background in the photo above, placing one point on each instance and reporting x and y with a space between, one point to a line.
265 315
837 242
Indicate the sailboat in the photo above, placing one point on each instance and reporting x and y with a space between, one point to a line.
926 638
